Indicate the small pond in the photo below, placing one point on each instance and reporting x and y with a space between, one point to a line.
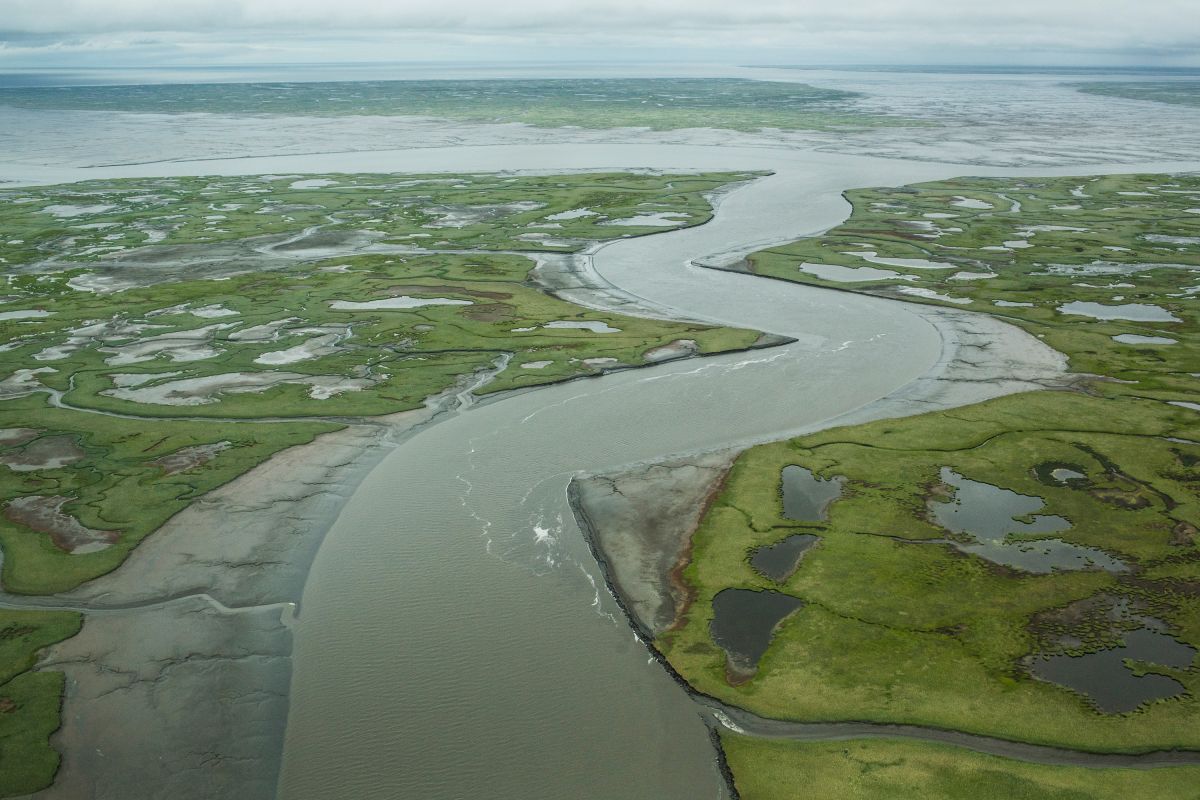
806 498
1138 312
1106 679
988 514
744 622
778 561
1061 473
840 274
1134 338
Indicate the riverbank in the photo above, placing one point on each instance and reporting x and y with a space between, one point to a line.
190 617
641 521
931 599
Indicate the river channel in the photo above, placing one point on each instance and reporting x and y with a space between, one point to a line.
455 639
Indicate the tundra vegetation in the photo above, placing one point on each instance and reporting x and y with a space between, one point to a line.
162 337
1025 568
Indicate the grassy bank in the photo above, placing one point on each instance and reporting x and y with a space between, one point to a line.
886 769
152 298
899 626
29 701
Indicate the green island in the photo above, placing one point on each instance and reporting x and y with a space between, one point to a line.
163 337
1025 568
654 103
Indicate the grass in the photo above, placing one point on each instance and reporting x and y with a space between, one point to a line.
92 220
406 356
900 629
29 701
891 769
105 351
1151 220
117 485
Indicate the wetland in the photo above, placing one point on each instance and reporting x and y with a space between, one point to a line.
499 470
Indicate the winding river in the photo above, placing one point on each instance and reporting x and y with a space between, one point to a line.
454 638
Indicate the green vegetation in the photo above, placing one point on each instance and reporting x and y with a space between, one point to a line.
158 357
162 337
890 769
94 220
1182 93
901 621
117 481
29 701
1113 240
657 103
165 331
899 627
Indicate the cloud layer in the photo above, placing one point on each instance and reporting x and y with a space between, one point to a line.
839 31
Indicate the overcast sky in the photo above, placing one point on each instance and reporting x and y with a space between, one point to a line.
166 32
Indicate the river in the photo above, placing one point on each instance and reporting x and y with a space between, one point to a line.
452 640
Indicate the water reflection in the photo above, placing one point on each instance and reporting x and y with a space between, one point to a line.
988 514
806 498
1106 678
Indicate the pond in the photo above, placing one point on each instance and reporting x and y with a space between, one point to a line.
988 514
1138 312
778 561
806 498
744 622
1105 677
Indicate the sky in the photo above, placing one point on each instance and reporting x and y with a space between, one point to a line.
164 33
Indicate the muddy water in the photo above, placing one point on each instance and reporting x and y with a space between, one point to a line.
452 641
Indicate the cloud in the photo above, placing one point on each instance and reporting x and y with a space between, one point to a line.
864 28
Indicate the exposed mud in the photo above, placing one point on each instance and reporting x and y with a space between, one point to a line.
48 452
188 458
640 524
44 514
